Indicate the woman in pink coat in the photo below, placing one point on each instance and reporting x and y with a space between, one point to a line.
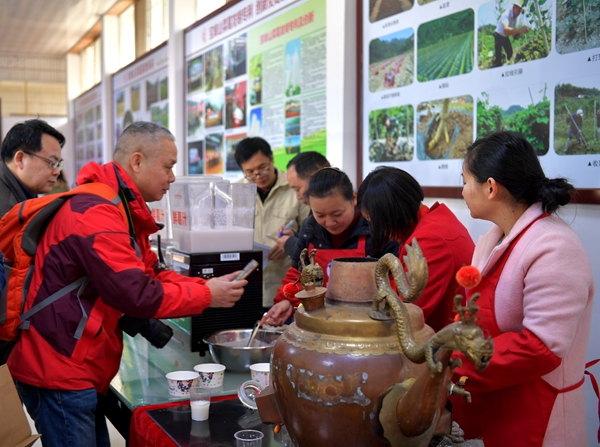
536 302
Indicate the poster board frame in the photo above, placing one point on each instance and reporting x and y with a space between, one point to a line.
580 195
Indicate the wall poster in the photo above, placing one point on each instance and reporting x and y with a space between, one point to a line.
141 91
255 69
439 73
88 129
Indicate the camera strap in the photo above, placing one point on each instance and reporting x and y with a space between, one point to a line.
126 195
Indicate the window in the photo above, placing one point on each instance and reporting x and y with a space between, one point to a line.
157 23
127 36
90 65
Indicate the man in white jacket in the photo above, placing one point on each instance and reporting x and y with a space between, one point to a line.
276 205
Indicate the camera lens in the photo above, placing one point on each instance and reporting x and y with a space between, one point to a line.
155 331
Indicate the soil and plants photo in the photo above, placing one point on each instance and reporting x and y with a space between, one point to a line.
445 46
444 128
392 60
391 134
577 25
213 68
513 31
380 9
577 117
521 109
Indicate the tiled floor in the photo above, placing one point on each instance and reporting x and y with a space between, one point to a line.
116 440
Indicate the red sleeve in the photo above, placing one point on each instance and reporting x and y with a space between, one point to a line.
122 279
290 277
518 358
440 263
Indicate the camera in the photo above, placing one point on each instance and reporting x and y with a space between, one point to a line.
155 331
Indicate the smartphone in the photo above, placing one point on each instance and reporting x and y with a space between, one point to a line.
249 268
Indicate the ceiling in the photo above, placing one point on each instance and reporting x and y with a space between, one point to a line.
47 27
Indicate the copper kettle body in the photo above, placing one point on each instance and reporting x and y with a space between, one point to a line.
340 373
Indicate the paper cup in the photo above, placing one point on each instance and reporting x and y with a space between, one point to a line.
180 382
211 374
261 373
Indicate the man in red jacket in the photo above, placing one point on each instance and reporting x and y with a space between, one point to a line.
59 376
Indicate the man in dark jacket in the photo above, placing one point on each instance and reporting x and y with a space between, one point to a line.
299 171
31 163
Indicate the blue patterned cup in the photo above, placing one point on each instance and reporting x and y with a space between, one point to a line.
180 382
211 374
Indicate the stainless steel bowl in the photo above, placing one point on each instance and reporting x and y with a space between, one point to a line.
229 348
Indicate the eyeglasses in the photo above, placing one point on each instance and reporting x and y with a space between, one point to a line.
261 171
52 163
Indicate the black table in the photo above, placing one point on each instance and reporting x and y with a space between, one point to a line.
226 417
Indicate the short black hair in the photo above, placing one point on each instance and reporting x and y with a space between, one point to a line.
511 160
391 199
27 137
246 149
307 163
328 181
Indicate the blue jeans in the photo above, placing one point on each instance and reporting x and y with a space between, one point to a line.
65 418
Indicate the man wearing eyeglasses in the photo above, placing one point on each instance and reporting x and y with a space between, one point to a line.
31 162
276 205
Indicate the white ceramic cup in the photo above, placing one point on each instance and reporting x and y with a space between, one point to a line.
199 402
261 372
211 374
180 382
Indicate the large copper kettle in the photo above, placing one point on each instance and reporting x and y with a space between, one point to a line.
361 367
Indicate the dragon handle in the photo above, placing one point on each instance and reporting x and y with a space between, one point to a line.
464 335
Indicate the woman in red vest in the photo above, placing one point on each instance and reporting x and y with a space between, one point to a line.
392 200
536 302
335 228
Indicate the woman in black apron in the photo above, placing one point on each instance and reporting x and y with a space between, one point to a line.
335 228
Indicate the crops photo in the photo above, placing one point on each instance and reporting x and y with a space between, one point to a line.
521 109
391 60
577 25
445 47
391 134
532 41
444 128
577 117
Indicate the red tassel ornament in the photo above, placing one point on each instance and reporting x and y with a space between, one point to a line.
468 276
290 290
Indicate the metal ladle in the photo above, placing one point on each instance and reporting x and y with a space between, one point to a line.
253 334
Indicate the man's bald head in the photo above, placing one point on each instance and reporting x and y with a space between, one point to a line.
147 152
142 137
